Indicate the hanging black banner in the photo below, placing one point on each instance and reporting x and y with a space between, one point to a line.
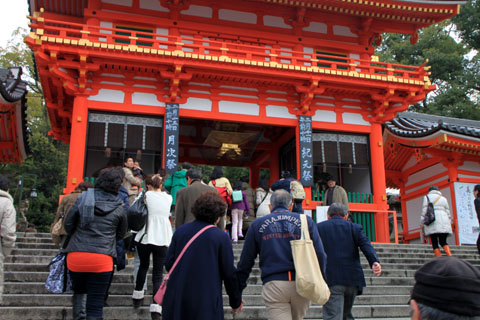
306 154
171 138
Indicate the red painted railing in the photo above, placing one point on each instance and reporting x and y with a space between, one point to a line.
191 44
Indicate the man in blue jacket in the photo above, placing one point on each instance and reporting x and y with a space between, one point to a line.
345 277
270 237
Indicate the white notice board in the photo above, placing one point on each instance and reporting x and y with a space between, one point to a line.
467 217
321 213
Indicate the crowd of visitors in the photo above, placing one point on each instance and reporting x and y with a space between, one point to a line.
95 223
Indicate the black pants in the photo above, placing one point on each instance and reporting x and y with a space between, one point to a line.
436 237
159 253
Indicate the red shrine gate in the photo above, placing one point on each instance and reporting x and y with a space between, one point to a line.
260 84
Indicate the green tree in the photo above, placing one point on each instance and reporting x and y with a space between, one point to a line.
455 76
48 158
468 23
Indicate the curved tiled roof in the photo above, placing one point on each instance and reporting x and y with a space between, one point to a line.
416 125
13 133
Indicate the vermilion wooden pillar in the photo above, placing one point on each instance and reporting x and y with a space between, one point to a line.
78 135
452 177
379 183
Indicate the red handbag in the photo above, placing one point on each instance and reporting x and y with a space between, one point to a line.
158 298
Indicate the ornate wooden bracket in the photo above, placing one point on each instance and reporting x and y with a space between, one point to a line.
307 93
175 77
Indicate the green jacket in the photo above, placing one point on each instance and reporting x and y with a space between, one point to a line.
175 182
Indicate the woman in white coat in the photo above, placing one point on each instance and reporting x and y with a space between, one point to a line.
441 228
154 241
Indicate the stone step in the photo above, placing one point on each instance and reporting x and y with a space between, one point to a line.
128 278
126 288
249 312
34 267
12 300
38 251
404 263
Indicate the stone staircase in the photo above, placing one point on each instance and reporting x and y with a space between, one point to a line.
384 297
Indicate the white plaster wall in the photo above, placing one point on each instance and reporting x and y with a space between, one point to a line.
354 118
107 95
316 27
197 104
410 163
424 174
343 31
470 166
127 3
147 99
198 11
414 209
272 21
279 112
251 109
114 75
105 24
152 5
325 116
164 32
237 16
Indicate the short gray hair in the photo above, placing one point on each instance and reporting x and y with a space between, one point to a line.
430 313
337 209
194 174
281 198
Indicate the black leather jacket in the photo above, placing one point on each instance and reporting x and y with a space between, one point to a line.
99 236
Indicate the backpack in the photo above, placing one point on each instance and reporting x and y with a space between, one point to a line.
296 190
224 193
237 196
429 217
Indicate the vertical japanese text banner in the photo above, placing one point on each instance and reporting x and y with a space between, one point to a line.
171 138
306 157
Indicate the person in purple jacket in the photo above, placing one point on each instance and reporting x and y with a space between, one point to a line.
238 208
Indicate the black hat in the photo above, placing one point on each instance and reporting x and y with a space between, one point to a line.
448 284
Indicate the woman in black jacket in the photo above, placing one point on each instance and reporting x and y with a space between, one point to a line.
97 220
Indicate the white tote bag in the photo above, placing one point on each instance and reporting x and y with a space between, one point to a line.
308 276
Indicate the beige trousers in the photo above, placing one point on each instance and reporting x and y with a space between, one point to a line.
283 302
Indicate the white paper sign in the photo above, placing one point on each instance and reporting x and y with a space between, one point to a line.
466 215
322 213
308 213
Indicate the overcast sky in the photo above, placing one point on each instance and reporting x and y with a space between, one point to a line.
12 15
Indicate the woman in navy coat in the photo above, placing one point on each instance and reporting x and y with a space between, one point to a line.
194 290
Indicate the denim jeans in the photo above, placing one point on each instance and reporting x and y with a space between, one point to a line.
95 285
79 303
159 253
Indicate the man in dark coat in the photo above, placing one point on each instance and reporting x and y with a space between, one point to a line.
345 278
186 197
